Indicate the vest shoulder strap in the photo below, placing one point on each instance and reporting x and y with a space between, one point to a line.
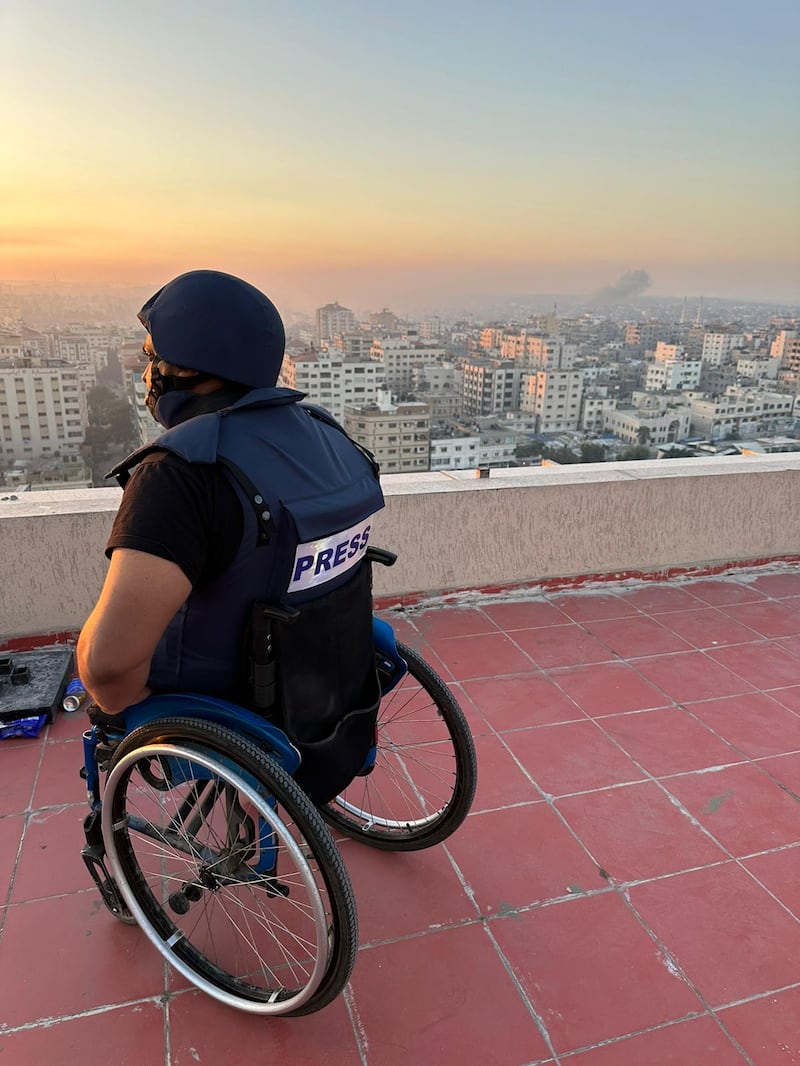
325 416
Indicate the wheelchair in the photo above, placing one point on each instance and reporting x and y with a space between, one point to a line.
201 836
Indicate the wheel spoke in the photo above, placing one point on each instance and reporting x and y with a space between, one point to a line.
234 889
423 779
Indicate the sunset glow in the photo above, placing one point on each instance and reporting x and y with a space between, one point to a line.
375 149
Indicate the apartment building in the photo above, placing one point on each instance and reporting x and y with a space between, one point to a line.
433 329
759 369
739 411
399 356
332 319
441 386
549 353
42 411
595 405
331 380
665 352
492 337
25 342
646 335
672 374
554 398
491 386
788 351
384 321
10 345
455 452
719 346
398 435
352 345
537 351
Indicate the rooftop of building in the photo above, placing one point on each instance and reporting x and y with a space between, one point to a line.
624 891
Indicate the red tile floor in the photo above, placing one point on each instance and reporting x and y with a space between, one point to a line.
626 891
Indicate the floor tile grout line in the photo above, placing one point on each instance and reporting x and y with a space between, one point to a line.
27 814
673 799
756 997
359 1030
674 968
551 801
660 1027
673 965
537 1018
91 1012
684 810
165 1005
545 677
762 638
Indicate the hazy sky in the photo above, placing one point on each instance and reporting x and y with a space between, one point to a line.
402 153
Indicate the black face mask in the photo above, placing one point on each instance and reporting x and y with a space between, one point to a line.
161 384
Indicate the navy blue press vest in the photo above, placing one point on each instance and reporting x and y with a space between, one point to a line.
308 494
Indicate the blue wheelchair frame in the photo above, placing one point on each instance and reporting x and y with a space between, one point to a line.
270 737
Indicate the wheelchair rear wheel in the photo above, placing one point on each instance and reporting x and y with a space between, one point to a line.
423 781
228 868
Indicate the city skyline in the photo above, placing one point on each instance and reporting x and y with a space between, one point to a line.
380 157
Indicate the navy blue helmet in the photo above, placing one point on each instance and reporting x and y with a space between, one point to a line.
217 324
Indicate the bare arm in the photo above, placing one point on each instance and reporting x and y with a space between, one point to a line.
140 595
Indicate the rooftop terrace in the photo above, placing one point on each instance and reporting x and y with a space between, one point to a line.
625 890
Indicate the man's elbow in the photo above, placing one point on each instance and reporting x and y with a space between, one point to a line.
100 665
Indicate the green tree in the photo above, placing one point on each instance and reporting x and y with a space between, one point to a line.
528 448
638 451
563 456
110 432
678 453
592 453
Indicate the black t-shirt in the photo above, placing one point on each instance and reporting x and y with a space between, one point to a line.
188 513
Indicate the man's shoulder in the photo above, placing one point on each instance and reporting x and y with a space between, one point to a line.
165 471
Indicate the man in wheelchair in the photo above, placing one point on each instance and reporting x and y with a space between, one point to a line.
238 558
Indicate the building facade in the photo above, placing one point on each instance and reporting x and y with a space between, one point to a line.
43 411
331 380
398 435
332 319
491 386
554 398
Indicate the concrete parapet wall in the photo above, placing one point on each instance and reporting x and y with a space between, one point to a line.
451 533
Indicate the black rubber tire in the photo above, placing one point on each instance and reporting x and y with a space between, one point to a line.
432 829
216 740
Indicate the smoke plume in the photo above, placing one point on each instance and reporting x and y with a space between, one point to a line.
624 289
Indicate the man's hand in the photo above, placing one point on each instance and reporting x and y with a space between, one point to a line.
140 595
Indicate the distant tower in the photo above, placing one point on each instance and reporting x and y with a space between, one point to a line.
683 311
333 319
699 320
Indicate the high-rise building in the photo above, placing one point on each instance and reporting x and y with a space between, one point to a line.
384 321
786 346
718 346
42 411
333 319
491 386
